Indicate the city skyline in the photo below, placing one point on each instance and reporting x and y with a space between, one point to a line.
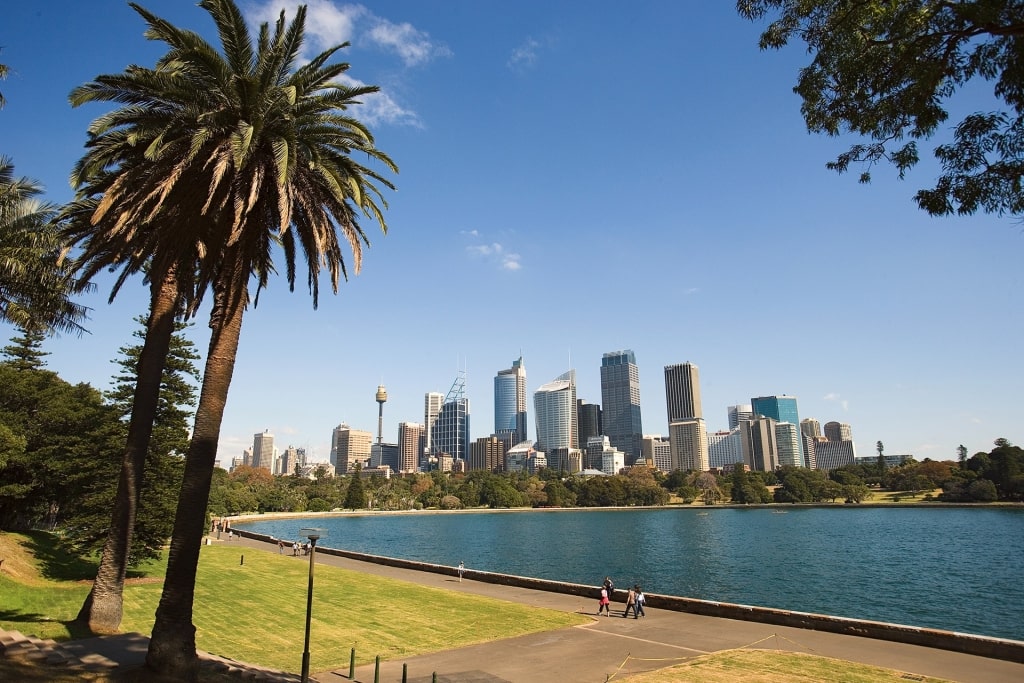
514 215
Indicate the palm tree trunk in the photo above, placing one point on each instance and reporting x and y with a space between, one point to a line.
103 607
172 647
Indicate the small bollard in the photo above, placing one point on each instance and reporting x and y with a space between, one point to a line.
376 670
405 673
352 666
242 560
433 678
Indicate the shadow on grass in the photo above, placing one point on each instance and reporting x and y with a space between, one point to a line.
74 630
56 563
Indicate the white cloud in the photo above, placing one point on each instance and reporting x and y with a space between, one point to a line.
327 24
525 56
495 252
691 290
843 403
411 44
511 262
473 233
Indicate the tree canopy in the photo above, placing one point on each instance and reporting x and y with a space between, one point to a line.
888 72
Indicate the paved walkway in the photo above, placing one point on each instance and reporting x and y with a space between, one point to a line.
614 647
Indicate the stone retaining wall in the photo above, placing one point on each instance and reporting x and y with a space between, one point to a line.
982 646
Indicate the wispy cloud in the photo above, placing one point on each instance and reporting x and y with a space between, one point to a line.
496 253
408 42
838 399
525 56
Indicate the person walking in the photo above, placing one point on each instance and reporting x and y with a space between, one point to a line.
609 586
638 603
604 606
462 568
630 603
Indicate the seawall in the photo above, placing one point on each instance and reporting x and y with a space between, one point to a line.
966 643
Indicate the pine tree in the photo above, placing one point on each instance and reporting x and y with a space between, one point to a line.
355 497
26 352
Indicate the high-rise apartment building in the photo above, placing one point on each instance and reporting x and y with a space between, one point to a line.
410 446
739 413
759 444
510 402
682 392
451 429
291 458
620 402
656 451
555 413
263 455
810 427
787 440
725 448
588 421
487 453
689 442
348 447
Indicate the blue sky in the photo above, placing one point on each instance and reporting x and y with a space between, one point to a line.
575 182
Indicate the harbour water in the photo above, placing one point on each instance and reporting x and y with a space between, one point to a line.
958 569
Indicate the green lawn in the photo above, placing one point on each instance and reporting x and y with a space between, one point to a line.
255 612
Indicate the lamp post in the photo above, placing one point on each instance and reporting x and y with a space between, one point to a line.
313 535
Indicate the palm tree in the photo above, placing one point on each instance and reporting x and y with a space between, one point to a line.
3 76
35 284
217 162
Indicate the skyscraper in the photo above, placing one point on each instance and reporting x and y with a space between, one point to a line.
739 413
682 392
510 402
263 454
432 403
838 431
555 413
349 446
451 429
759 444
588 421
620 402
781 409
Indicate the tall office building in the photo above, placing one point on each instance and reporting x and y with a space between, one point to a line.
682 392
760 448
739 413
656 451
451 429
487 453
787 440
263 455
510 402
725 448
810 427
410 446
555 413
588 421
781 409
290 459
350 446
620 402
830 455
432 403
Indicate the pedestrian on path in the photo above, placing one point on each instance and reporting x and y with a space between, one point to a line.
604 605
462 568
638 603
630 603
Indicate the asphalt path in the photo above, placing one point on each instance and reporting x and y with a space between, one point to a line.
610 648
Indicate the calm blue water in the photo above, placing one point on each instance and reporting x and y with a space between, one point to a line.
958 569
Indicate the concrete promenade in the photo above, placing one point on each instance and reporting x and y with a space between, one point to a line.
609 648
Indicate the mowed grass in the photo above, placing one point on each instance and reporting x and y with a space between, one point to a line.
255 611
772 666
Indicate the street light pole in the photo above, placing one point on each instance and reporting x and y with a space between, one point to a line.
313 535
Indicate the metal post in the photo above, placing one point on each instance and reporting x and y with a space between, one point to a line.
376 670
352 665
309 609
405 673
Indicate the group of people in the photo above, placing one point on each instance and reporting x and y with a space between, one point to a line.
634 600
296 548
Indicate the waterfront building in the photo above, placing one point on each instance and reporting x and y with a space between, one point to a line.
487 453
290 459
410 446
432 403
568 460
451 431
602 455
263 454
588 421
725 448
682 392
348 447
555 413
510 402
740 413
689 444
620 402
656 451
759 444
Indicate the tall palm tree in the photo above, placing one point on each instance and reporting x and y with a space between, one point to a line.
35 284
218 162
